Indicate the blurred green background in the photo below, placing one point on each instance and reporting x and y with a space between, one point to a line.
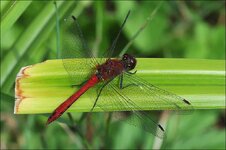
179 29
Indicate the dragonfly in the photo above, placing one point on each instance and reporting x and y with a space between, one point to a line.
114 79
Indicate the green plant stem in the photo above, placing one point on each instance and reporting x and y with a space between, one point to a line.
42 87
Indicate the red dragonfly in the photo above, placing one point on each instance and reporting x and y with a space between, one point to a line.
114 80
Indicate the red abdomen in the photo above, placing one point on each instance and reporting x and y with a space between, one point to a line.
66 104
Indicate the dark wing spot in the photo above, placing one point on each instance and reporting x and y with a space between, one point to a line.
187 102
73 17
161 127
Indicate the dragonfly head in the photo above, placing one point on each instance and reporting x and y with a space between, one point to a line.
129 62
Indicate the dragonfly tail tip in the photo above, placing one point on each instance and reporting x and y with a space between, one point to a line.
50 119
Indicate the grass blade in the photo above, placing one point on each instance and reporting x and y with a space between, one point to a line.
12 14
23 43
42 87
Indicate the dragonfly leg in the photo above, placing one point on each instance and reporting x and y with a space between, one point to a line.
121 80
98 95
131 73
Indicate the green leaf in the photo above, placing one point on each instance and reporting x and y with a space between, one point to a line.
42 87
28 45
12 14
34 49
23 43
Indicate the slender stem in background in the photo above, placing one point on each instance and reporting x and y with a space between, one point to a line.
84 115
75 129
184 11
43 140
89 128
149 18
106 136
71 132
108 121
99 27
71 118
57 32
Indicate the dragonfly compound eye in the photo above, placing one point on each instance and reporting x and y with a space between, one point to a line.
129 62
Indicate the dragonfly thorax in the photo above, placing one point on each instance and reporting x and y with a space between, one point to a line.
110 69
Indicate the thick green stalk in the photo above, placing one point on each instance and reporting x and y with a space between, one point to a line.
40 88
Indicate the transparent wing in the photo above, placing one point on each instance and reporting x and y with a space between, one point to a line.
73 46
113 96
148 96
110 51
148 93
